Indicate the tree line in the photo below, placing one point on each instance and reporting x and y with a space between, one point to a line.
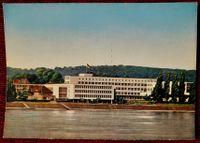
162 93
110 71
40 76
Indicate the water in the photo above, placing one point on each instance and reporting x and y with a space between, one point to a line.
99 124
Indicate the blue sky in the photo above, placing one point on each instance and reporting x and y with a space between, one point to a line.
50 35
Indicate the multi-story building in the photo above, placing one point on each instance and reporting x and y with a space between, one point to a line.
87 86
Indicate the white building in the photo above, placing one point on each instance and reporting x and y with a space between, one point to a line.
88 86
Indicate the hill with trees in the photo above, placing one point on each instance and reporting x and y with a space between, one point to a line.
37 74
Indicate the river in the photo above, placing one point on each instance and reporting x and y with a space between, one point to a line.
99 124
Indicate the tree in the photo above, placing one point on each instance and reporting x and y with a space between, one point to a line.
47 75
11 92
166 87
23 95
175 89
39 72
192 96
18 76
181 88
57 78
157 93
33 78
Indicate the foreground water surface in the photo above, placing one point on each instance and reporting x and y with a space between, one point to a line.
99 124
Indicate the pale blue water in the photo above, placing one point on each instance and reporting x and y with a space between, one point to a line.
99 124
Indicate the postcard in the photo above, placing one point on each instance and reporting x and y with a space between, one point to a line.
101 71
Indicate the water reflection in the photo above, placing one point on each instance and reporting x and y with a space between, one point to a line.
99 124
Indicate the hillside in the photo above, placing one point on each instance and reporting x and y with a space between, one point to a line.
111 71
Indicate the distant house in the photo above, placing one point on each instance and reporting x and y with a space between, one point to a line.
37 91
40 92
21 85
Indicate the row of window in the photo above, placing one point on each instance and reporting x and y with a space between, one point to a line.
117 79
129 98
21 85
92 96
93 91
93 87
133 89
128 93
112 83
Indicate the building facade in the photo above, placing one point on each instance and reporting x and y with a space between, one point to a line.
88 86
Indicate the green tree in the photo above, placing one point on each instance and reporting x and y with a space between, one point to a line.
157 93
39 72
57 78
182 88
23 95
33 78
175 89
192 96
166 87
47 75
18 76
11 92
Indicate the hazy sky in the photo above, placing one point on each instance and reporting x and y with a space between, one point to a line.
50 35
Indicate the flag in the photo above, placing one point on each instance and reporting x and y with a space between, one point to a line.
88 66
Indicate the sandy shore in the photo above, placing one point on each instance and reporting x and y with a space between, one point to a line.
69 106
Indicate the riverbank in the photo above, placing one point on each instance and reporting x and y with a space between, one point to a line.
69 106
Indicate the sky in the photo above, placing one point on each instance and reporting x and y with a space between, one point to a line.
51 35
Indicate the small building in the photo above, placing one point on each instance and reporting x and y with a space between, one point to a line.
21 85
40 92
